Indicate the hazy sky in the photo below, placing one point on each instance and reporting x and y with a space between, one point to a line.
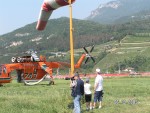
18 13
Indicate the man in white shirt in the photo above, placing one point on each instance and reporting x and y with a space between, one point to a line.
98 89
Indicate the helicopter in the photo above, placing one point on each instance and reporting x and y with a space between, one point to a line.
32 69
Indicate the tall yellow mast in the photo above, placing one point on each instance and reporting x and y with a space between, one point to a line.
71 40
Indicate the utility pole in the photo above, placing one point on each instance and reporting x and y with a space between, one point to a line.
71 40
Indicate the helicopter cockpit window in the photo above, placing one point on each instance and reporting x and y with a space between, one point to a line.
44 67
4 70
35 57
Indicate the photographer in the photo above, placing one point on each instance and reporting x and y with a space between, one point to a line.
77 86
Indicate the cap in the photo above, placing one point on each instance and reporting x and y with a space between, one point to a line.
87 80
76 74
98 70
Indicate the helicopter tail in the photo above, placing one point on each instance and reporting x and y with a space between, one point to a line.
80 61
87 54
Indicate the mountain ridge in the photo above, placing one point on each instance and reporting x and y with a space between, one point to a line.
115 10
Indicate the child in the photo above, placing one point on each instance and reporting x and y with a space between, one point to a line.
88 94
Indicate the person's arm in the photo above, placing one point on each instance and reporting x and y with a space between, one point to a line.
95 86
82 88
96 83
72 83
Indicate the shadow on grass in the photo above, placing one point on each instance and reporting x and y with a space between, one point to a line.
71 106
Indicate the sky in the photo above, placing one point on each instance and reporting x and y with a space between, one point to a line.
18 13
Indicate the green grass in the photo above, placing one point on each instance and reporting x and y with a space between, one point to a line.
129 47
135 39
113 58
133 45
121 95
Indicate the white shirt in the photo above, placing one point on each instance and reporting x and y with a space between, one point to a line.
87 88
99 81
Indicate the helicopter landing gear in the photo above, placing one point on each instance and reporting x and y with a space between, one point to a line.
51 82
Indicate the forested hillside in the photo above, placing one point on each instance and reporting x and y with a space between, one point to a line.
56 38
56 35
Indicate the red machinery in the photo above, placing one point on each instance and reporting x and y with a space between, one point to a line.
33 69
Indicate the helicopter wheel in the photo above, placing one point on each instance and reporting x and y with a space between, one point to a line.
13 59
51 82
19 77
18 59
32 59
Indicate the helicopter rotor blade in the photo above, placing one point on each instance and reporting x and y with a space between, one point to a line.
86 60
88 55
92 48
93 59
85 50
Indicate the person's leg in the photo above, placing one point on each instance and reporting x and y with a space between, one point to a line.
86 99
91 105
100 104
100 99
94 105
87 106
95 99
77 104
89 100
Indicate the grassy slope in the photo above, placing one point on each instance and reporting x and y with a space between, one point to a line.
129 47
17 98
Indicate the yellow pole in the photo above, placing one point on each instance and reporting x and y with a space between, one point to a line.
71 40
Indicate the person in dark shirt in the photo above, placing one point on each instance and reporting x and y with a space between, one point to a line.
77 92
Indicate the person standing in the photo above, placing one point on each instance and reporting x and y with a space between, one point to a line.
98 88
77 93
88 94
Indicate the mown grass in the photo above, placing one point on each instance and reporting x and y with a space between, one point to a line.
135 39
121 95
133 45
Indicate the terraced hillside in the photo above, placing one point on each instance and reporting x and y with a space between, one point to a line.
128 48
112 55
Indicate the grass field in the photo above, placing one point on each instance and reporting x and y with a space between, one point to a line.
121 95
135 39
